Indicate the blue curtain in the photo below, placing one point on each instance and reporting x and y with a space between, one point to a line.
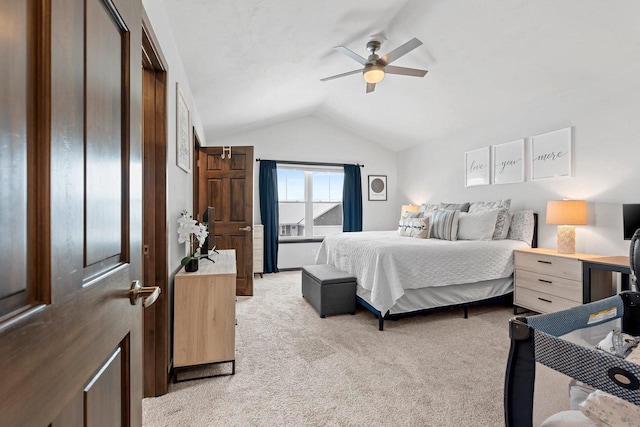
268 187
352 199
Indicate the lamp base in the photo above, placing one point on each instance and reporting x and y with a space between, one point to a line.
566 239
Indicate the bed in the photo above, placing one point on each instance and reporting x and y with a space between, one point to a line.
397 275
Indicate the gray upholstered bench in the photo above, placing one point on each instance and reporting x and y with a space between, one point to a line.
329 290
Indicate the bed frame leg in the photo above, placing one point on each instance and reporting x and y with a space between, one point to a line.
380 322
466 312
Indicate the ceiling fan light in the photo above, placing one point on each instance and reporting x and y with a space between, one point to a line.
373 73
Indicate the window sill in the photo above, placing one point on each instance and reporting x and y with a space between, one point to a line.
312 240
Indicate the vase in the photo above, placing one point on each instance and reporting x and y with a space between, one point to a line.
192 265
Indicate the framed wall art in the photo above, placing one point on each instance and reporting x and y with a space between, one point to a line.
508 162
183 130
477 167
551 154
377 187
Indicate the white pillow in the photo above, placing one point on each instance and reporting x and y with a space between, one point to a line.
503 221
425 231
477 225
414 227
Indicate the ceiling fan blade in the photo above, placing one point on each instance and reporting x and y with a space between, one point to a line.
399 51
371 87
341 75
352 54
403 71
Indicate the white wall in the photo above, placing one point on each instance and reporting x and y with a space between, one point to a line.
179 182
605 117
312 139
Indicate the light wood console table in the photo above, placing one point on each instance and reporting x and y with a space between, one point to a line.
205 315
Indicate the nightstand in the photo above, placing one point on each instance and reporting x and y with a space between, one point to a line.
546 281
204 324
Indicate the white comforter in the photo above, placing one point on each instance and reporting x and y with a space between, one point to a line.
386 264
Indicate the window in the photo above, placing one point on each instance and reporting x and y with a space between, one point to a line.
309 201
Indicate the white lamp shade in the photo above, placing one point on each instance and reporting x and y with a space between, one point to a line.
567 212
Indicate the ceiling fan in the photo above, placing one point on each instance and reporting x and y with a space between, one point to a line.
376 67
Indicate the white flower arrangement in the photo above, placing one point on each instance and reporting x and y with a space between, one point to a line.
188 231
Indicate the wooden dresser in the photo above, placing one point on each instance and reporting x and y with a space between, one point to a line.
205 314
258 247
547 281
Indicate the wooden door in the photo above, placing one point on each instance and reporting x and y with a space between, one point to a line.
227 185
70 340
154 231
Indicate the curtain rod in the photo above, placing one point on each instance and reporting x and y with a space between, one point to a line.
291 162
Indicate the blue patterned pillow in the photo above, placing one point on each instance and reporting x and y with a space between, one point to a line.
445 225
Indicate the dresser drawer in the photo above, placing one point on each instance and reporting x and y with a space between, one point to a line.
541 302
558 286
550 265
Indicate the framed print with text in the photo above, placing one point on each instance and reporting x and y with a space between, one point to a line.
476 166
508 162
551 154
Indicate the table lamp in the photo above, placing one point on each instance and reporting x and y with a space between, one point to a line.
566 214
408 208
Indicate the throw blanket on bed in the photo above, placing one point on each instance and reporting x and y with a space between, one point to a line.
386 264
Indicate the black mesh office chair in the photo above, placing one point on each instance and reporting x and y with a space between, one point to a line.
634 259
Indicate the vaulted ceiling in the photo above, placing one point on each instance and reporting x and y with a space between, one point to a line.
252 63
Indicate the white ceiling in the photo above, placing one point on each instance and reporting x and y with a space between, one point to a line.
252 63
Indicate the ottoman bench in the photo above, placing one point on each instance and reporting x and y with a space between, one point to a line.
329 290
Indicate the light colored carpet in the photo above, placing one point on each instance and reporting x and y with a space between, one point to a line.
295 369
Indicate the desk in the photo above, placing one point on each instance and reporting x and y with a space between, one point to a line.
619 264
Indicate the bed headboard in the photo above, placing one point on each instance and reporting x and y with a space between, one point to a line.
534 241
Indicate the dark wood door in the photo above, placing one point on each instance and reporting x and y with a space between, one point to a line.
227 185
70 344
154 232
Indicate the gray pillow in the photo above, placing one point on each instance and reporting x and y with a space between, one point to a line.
428 208
483 206
413 214
462 207
445 225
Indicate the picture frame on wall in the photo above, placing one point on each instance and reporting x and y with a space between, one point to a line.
183 131
508 162
378 187
477 167
551 154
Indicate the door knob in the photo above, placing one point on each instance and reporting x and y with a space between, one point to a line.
150 293
247 228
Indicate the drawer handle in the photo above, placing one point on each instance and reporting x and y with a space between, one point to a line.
545 300
545 262
545 281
